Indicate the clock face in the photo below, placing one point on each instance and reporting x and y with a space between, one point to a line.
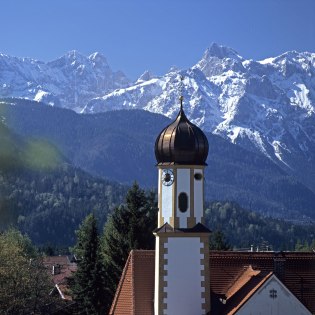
167 177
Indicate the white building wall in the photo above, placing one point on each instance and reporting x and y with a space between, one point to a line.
284 304
184 276
183 185
198 197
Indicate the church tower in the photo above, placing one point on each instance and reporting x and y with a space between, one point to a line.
182 241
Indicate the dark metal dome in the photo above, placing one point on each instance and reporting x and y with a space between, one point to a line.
181 142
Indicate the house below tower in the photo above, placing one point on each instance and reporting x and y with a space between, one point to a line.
240 283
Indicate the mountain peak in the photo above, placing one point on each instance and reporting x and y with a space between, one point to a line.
70 57
218 59
145 76
73 54
97 57
173 69
221 52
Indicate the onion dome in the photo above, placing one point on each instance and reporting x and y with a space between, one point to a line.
181 142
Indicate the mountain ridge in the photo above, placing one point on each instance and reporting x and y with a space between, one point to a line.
265 106
67 81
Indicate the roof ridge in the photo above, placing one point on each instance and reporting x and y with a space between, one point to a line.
120 284
132 262
247 271
143 252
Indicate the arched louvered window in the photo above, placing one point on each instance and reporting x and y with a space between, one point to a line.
183 202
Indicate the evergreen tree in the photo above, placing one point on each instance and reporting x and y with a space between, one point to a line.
129 227
218 241
299 247
89 285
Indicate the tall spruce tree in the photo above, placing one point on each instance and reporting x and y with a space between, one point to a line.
129 227
89 281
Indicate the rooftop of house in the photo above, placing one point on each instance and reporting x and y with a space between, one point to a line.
234 278
61 268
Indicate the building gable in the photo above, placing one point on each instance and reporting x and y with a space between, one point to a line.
272 297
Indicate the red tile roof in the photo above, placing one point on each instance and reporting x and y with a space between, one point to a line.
135 291
241 280
234 277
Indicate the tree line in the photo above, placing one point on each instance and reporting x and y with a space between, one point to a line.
50 205
243 228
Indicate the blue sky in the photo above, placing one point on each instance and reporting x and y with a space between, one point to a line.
139 35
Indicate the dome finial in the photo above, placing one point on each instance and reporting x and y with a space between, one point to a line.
181 98
181 142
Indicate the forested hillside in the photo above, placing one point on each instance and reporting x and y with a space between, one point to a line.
243 229
45 196
49 206
119 146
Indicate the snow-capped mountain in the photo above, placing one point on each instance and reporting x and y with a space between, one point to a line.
69 81
266 106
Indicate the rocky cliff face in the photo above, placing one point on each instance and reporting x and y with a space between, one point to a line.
266 106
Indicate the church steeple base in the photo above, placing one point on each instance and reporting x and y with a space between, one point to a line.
182 271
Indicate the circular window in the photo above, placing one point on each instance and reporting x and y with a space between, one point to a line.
198 176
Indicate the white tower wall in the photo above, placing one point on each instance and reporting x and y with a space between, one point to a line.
198 196
167 203
184 276
183 185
